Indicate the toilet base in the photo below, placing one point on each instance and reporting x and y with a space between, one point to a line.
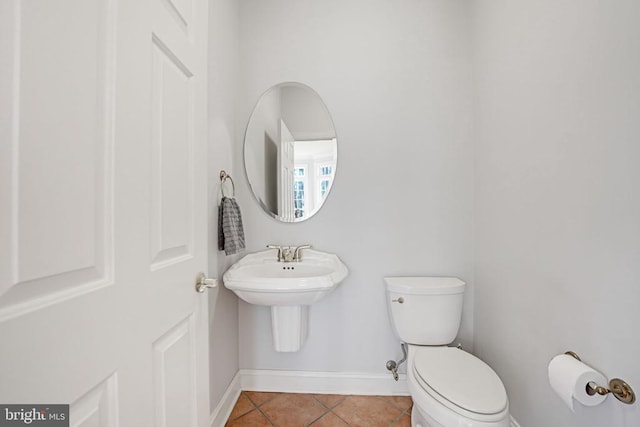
418 419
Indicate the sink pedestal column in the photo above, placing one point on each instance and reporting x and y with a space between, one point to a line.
289 326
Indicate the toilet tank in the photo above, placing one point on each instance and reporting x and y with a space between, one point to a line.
425 310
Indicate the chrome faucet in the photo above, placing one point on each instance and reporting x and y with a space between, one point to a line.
289 254
279 248
297 251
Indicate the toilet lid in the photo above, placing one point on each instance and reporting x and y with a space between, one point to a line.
461 378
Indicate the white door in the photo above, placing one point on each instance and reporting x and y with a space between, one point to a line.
286 210
103 209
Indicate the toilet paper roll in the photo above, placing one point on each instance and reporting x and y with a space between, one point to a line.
569 378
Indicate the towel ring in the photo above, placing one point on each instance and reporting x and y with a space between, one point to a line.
224 176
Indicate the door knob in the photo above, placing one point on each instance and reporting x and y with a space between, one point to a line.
203 283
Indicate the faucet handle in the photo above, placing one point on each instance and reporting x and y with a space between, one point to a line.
279 248
296 252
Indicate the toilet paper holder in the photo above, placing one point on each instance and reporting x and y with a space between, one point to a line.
619 388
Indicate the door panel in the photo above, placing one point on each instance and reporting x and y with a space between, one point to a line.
172 165
175 376
103 209
286 168
96 408
57 200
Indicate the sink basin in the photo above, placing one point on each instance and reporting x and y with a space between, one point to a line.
259 278
288 287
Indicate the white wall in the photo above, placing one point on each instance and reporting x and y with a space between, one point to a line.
305 114
223 307
397 81
558 198
557 235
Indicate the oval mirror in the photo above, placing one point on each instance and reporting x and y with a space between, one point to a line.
290 152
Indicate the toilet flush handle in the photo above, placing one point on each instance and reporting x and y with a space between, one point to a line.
398 300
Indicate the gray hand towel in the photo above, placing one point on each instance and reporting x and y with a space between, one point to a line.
230 231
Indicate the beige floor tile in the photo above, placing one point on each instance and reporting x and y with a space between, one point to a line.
260 397
330 400
293 410
251 419
242 406
367 411
402 402
319 410
404 421
329 420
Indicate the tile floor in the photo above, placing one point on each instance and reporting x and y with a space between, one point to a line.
256 409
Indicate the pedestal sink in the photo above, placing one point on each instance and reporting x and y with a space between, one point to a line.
289 288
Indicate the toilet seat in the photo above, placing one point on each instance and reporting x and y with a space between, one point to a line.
460 381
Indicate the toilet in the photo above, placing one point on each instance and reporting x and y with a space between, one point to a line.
449 387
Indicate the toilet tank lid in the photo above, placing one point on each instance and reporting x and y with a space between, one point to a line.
425 285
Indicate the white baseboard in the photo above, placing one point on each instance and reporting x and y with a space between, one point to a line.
514 423
322 382
221 413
